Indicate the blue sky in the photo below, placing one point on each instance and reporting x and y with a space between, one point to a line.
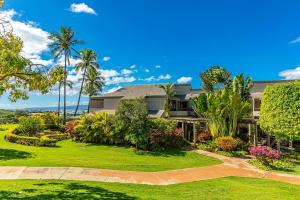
154 41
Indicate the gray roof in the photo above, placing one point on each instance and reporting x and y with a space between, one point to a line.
259 86
135 91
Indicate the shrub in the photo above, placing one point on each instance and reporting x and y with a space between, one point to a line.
264 154
51 120
171 139
162 124
95 128
132 122
204 136
29 126
70 127
208 146
280 110
30 141
226 143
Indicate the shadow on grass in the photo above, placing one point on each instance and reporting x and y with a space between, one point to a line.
165 153
67 191
9 154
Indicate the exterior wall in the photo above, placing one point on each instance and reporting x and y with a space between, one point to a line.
111 103
155 103
181 113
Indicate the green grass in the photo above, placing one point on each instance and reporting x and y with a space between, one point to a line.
97 156
222 188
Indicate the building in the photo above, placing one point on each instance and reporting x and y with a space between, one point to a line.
181 103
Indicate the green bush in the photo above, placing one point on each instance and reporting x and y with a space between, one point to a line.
226 143
280 110
204 136
95 128
162 124
208 146
29 126
30 141
51 120
132 122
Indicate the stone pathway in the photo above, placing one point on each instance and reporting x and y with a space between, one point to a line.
230 167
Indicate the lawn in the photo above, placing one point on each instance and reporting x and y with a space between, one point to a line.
222 188
97 156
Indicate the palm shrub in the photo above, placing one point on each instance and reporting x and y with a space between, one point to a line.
132 122
95 128
29 126
169 93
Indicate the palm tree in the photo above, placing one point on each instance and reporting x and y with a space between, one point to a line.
88 62
94 83
63 44
170 92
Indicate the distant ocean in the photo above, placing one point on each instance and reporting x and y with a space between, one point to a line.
70 109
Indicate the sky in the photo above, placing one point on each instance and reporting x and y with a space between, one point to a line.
154 41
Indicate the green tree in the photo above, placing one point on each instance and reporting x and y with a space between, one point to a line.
243 86
88 62
280 110
169 93
214 76
19 75
63 45
94 83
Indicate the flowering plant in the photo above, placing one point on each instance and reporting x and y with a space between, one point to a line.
264 154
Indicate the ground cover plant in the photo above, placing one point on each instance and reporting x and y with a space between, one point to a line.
73 154
221 188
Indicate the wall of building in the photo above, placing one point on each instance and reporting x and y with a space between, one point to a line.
155 103
111 103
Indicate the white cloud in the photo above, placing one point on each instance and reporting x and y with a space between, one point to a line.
159 78
184 79
147 70
73 61
165 77
290 74
297 40
132 66
126 71
106 58
157 66
120 79
108 73
151 78
82 8
35 39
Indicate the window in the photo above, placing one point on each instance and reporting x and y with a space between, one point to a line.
97 103
257 103
183 105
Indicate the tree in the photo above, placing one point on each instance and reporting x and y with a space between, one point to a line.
88 62
243 86
214 76
280 110
19 75
170 92
94 83
63 45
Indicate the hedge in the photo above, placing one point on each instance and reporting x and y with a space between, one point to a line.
30 141
280 110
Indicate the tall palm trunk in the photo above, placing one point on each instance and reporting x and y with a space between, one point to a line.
89 104
58 106
78 102
65 90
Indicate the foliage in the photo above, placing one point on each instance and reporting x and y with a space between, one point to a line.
233 153
162 124
264 154
210 146
169 93
70 128
18 75
200 104
280 110
160 140
29 126
51 120
204 136
214 76
30 141
88 64
132 120
96 128
226 143
10 116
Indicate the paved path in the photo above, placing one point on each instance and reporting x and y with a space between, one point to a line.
230 167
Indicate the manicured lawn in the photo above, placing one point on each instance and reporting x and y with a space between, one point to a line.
223 188
107 157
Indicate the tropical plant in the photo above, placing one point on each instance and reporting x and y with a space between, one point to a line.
264 154
132 121
214 76
88 63
163 124
280 110
94 83
63 45
169 93
29 126
243 86
227 143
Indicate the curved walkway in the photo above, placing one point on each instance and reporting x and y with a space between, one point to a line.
230 167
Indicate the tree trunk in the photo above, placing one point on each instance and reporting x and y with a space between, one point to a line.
65 90
89 104
78 102
278 144
58 106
